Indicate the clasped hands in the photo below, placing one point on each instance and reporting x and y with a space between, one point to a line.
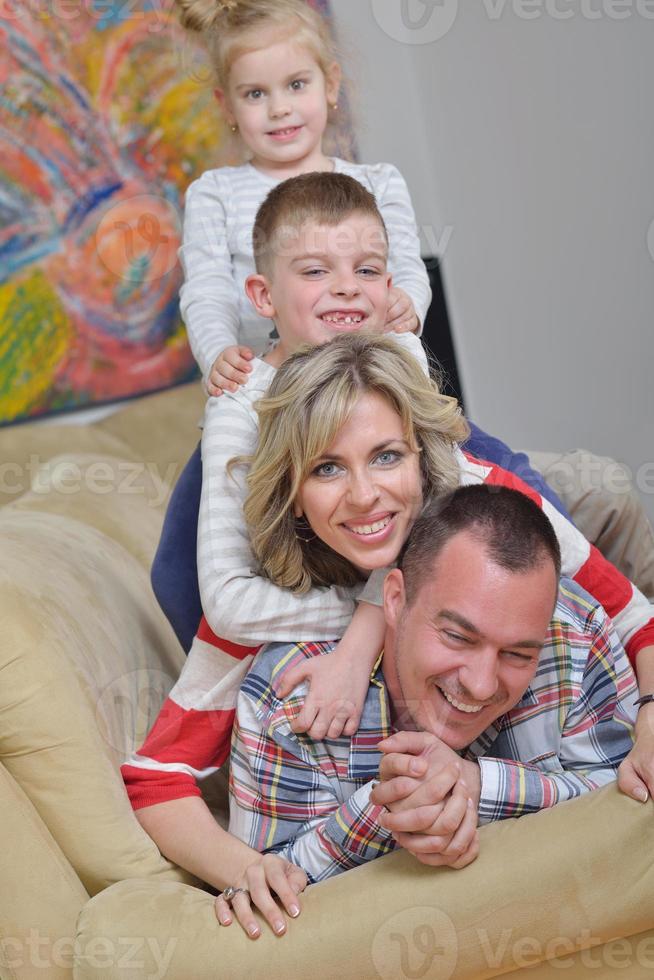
432 799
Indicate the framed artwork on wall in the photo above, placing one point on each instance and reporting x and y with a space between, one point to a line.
107 115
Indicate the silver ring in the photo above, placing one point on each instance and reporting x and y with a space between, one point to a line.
231 891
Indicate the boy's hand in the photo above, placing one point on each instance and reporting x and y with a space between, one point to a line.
337 690
401 316
230 370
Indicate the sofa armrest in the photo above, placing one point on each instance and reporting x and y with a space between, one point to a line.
545 885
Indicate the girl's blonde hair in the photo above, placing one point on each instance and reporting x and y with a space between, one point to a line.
229 28
309 400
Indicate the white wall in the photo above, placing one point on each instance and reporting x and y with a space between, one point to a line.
532 141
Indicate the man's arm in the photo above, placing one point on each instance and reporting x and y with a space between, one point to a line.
596 735
295 796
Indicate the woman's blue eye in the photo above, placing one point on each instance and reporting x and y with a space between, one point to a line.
326 469
389 456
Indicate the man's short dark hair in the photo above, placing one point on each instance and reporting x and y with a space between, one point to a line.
512 528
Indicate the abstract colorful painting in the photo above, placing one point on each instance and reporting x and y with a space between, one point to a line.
106 115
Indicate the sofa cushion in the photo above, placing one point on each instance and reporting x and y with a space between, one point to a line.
41 896
85 663
543 885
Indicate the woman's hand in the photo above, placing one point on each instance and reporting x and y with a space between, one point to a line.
266 877
230 370
401 316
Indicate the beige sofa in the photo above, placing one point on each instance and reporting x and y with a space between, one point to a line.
86 660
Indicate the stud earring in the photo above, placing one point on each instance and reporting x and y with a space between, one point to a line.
234 128
334 106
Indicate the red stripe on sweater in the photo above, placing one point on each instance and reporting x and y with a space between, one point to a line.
235 650
499 477
200 739
145 787
602 579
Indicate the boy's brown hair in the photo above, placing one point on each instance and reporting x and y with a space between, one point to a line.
316 198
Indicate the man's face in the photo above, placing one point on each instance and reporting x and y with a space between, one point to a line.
467 648
325 280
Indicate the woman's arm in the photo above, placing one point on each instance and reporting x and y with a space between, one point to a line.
186 832
238 603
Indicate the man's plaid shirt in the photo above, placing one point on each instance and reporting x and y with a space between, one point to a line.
310 800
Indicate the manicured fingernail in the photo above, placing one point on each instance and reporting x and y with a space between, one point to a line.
641 794
293 910
279 928
253 930
225 921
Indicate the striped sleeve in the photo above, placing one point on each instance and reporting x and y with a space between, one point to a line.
632 613
191 736
404 261
238 602
209 298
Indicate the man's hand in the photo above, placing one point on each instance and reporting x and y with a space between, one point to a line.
401 316
230 370
432 796
636 772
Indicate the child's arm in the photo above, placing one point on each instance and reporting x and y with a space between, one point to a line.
401 316
209 297
239 604
405 264
338 683
230 370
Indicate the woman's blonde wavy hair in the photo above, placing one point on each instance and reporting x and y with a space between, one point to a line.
309 400
229 28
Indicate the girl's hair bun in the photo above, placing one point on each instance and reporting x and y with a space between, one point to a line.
203 15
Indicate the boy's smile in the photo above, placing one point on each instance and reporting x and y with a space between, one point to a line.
326 279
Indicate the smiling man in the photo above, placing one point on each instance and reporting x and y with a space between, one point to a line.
499 692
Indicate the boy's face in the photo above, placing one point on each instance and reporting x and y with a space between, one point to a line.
325 280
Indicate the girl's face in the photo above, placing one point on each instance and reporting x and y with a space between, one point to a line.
364 493
279 98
